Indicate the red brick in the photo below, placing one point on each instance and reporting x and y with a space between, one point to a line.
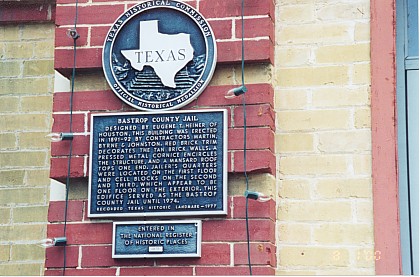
255 209
86 58
26 12
74 211
87 101
211 254
256 115
61 38
58 170
101 256
235 230
83 233
261 254
256 94
157 271
237 270
262 161
55 256
223 8
255 27
62 123
98 35
80 147
222 28
261 51
257 138
92 14
82 272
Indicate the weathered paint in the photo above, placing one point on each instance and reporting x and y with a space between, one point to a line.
384 137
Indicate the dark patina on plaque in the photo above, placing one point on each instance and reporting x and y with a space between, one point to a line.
152 239
158 164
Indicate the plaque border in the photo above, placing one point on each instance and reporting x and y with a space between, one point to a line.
193 255
223 211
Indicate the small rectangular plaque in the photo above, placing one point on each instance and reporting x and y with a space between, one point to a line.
158 164
147 239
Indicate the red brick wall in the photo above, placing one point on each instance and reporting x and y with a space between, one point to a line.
224 239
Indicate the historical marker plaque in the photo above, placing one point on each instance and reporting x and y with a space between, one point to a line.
153 239
158 164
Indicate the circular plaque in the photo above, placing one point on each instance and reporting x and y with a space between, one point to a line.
159 55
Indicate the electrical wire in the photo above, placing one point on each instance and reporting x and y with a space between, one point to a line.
75 36
245 138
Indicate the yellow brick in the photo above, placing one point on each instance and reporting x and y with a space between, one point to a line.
23 158
298 56
23 196
12 177
361 73
364 211
264 183
38 31
344 188
90 82
4 218
315 211
311 33
27 252
362 164
22 269
9 33
294 233
10 69
313 76
344 11
313 256
38 67
26 122
343 53
362 31
30 214
24 86
287 99
347 141
37 103
340 271
27 232
295 189
19 50
297 13
8 141
340 97
366 257
331 233
314 120
294 142
4 253
9 104
313 165
44 49
254 74
38 178
362 118
291 272
34 140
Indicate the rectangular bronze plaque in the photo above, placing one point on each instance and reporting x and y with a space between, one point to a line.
158 164
153 239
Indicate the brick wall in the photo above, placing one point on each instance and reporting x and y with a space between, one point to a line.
323 145
26 84
224 238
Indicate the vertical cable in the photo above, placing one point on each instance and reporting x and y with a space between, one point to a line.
75 36
245 138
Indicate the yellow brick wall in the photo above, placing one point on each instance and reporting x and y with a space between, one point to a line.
26 85
323 144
